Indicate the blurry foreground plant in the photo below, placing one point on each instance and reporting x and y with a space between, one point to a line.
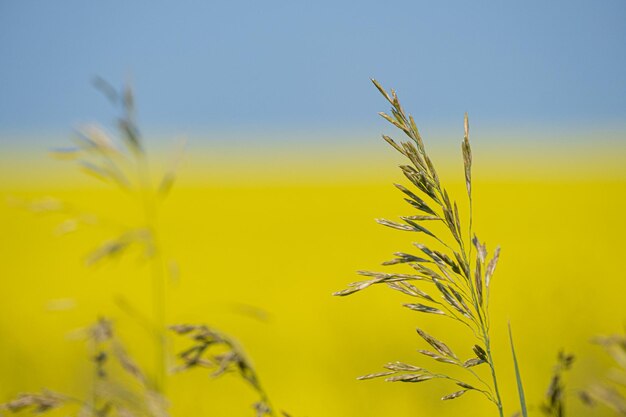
121 160
554 403
454 265
612 392
222 354
124 164
119 387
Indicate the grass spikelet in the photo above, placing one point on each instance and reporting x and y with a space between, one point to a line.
454 395
424 308
438 345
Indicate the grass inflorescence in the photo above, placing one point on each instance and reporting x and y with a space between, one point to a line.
450 275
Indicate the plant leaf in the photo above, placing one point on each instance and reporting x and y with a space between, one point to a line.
518 377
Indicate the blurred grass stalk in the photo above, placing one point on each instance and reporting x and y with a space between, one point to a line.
118 166
128 168
157 266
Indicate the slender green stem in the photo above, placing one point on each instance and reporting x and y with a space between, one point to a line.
493 372
159 307
484 392
482 381
96 376
157 274
484 328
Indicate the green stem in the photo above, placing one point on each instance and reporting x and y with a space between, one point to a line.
159 307
493 372
458 381
157 273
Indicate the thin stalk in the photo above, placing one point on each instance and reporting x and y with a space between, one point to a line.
482 381
96 376
498 401
484 392
157 273
485 336
484 323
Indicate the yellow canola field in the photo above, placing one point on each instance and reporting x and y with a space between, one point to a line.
259 257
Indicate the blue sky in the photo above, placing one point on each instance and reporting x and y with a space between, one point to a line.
233 65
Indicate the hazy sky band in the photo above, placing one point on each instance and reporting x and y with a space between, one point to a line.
288 64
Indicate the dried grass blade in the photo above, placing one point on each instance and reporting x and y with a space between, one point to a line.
422 218
437 344
473 362
457 219
480 352
400 366
424 308
454 395
410 378
465 269
467 158
433 172
491 267
393 122
417 202
396 226
465 385
449 261
478 280
437 357
382 90
416 135
449 299
375 375
419 228
394 144
481 249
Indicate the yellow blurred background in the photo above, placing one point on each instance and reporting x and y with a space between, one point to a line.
262 237
274 204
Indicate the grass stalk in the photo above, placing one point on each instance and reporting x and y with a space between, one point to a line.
492 367
157 272
454 281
